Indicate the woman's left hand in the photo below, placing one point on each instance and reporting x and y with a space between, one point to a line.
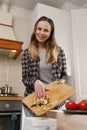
62 81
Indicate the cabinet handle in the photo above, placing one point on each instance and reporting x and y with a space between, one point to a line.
7 105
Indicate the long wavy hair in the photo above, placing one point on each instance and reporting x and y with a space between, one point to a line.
50 45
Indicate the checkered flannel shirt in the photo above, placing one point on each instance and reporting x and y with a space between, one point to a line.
30 70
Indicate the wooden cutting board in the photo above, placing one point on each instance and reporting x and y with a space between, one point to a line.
57 94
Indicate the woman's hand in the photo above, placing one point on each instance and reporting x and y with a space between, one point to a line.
62 81
39 88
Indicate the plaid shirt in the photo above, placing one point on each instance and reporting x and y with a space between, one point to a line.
30 70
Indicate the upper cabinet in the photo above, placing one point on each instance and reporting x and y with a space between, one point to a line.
61 20
79 36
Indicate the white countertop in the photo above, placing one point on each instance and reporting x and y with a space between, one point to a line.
68 121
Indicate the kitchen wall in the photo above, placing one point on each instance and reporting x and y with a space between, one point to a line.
10 70
10 73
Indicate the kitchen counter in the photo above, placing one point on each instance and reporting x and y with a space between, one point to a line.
18 98
68 121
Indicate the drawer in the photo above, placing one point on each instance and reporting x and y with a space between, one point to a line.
10 105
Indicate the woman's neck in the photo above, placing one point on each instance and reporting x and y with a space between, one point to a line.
42 47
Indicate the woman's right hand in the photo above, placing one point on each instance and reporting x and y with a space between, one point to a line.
39 88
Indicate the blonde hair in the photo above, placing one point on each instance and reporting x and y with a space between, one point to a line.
52 49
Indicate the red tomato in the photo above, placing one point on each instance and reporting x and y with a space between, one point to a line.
83 105
71 105
85 100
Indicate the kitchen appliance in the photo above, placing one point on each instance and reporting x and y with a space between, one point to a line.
7 91
10 113
56 93
9 45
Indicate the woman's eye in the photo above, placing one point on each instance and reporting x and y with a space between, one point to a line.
46 30
39 28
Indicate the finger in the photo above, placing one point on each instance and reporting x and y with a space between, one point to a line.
43 91
37 91
39 94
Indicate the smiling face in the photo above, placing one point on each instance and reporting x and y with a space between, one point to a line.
43 31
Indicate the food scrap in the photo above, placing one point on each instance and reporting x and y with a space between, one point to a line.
41 101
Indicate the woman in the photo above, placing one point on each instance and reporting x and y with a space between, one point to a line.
43 61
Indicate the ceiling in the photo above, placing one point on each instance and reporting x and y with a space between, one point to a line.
29 4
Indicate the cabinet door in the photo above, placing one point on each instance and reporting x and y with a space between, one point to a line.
79 34
61 20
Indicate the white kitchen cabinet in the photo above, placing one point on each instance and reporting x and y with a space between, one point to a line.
61 20
79 36
71 34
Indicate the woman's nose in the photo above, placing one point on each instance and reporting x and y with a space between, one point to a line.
42 32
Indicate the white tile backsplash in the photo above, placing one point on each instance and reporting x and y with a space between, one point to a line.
14 75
